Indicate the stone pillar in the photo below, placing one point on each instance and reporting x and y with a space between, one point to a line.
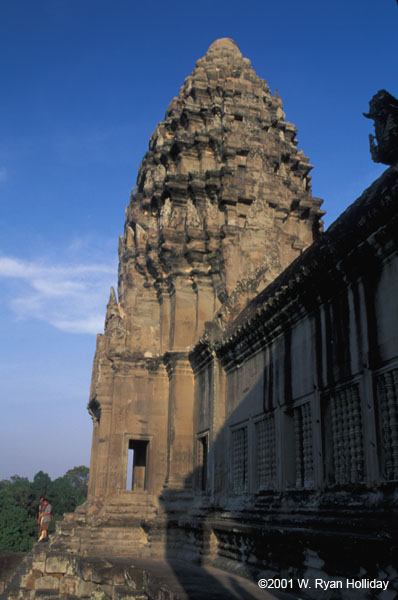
104 432
369 418
207 304
180 421
167 301
93 461
318 452
218 430
185 318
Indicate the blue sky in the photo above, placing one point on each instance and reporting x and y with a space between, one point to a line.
83 85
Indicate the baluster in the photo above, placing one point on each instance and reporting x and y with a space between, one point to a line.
307 444
358 460
393 422
298 445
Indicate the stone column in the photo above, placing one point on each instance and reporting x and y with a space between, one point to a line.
102 449
218 429
184 321
367 394
180 421
167 301
93 461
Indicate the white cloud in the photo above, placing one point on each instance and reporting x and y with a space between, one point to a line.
70 297
93 324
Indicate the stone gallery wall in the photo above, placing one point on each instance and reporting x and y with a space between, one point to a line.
297 409
309 399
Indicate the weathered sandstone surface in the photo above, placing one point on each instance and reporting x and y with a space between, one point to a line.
245 390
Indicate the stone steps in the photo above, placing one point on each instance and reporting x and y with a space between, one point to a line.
9 564
129 537
48 575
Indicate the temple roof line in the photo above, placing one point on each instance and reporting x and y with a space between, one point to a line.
346 236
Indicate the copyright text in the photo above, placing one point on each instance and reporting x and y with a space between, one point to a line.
322 584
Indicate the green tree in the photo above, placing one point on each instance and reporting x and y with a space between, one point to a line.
78 478
64 498
19 500
17 528
18 492
18 479
41 484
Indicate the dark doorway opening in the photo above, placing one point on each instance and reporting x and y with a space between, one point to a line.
202 462
137 474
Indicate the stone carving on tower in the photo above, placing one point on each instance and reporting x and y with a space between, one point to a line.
222 206
383 109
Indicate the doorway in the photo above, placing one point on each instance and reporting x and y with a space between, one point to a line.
137 465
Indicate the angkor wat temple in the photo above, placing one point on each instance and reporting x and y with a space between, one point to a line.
245 390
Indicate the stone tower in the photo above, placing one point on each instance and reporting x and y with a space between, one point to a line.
222 206
244 398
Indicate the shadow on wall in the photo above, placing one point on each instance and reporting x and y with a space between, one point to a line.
296 483
301 477
190 533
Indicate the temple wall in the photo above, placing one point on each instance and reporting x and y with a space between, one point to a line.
306 463
312 384
137 412
315 383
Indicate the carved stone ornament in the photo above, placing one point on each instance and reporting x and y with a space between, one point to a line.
383 109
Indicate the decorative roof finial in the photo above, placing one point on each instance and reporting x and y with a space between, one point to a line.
383 109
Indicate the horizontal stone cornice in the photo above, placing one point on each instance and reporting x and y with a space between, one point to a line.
136 364
202 355
177 362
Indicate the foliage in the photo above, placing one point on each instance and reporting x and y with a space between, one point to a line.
41 484
19 501
17 529
78 478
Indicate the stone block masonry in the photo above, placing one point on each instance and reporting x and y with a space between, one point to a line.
244 394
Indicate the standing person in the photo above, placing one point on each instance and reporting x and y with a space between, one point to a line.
39 515
45 520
